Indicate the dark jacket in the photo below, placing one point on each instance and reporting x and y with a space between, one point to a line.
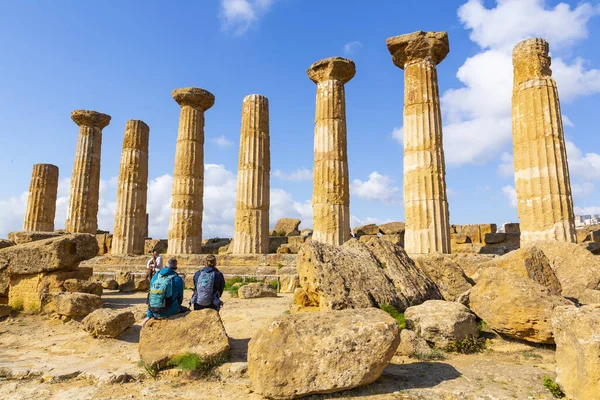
219 283
176 295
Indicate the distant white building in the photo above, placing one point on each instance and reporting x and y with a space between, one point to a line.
586 220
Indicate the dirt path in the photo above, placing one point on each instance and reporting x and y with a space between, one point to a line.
44 358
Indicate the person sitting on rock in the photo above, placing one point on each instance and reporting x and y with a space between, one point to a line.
209 284
166 293
155 264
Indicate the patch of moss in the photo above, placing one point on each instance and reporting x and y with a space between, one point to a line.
194 363
394 313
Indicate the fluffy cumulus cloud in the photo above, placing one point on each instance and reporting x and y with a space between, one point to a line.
377 188
398 135
477 116
237 16
511 195
284 206
583 166
352 47
221 141
506 167
299 174
587 210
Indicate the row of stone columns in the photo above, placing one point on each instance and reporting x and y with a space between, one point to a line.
545 204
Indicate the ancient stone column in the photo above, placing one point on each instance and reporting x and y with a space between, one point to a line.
41 202
545 205
82 213
425 202
331 187
253 188
130 218
185 224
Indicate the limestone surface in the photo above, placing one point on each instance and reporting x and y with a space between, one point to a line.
197 332
256 290
287 227
542 183
331 185
425 201
76 305
302 354
81 286
445 273
187 205
22 237
393 228
130 217
577 350
82 213
41 201
514 305
253 188
441 322
106 323
412 345
370 229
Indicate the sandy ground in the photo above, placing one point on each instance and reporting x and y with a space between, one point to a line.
43 358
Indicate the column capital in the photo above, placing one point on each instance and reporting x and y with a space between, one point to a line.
432 46
333 68
194 97
90 118
531 60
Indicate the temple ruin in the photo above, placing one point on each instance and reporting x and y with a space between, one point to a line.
41 202
253 187
545 204
425 202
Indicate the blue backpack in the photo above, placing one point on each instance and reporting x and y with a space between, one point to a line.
161 292
203 295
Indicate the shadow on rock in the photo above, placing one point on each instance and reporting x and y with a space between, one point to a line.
131 335
239 349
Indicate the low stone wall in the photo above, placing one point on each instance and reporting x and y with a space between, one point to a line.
484 238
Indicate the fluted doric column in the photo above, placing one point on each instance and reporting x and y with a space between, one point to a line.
185 224
253 189
331 187
82 214
41 202
545 205
425 202
130 218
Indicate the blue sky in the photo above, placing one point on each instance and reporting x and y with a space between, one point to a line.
125 60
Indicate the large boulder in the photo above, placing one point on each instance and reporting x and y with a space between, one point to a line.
126 281
106 323
110 284
287 227
514 305
76 305
392 228
445 273
577 337
302 354
369 230
81 286
59 253
576 268
141 283
212 246
441 322
197 332
359 275
412 345
6 243
22 237
530 262
256 290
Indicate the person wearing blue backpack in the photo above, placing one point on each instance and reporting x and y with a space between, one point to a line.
166 293
209 284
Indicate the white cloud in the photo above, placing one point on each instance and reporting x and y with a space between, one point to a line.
477 116
299 174
511 195
284 206
12 212
506 168
352 47
355 221
567 121
398 134
221 141
583 166
587 210
582 190
237 16
378 188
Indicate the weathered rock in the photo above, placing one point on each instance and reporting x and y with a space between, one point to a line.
288 248
141 283
4 310
530 262
22 237
60 253
441 322
126 281
256 290
445 273
412 345
32 293
512 227
492 238
110 284
212 246
289 283
301 354
106 323
306 232
590 297
6 243
275 242
576 333
576 268
160 245
370 229
514 305
197 332
396 239
366 238
104 243
287 227
76 305
81 286
392 228
358 275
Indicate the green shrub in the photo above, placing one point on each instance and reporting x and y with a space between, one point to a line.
397 315
233 291
274 285
436 354
553 387
193 362
152 370
467 346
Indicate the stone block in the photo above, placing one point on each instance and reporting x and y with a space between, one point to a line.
493 238
275 242
28 237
